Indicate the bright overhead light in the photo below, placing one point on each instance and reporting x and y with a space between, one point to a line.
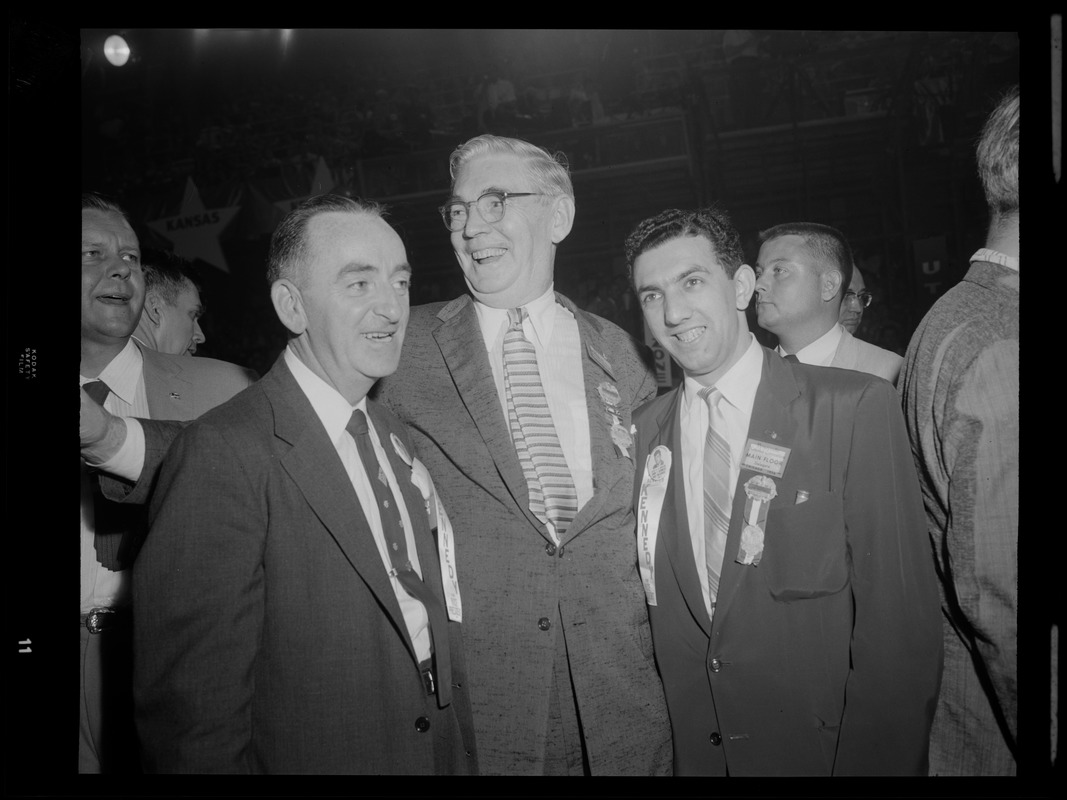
116 50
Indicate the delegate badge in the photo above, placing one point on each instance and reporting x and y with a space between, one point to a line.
621 437
649 506
759 491
609 394
770 459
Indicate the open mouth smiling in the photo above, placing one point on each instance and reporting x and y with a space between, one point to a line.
488 253
691 335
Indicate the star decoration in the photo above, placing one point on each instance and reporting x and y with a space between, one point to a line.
195 230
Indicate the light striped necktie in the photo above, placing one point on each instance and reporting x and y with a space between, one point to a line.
716 490
552 493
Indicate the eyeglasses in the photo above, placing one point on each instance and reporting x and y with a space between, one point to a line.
490 205
864 298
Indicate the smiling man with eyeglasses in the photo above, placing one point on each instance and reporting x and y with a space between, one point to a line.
519 404
801 274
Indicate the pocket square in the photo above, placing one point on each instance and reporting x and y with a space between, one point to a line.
802 497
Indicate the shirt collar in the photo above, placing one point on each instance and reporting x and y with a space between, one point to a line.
822 350
123 373
996 257
330 407
542 313
738 384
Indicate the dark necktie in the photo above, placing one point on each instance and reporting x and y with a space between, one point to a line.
107 546
396 546
792 357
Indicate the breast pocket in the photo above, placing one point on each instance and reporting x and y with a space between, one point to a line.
804 552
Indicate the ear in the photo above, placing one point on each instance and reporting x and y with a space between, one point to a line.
562 218
289 305
153 309
830 283
744 286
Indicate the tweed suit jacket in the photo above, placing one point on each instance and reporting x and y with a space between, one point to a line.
267 636
960 388
823 659
853 353
516 583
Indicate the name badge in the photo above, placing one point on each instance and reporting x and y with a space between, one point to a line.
770 459
649 506
437 518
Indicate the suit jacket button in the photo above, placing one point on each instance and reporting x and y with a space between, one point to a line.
716 665
422 724
716 738
550 549
544 624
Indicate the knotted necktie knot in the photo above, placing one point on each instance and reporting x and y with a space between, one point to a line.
711 396
357 424
515 317
97 390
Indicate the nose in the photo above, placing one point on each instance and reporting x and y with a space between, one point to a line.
118 267
762 285
391 304
475 222
675 310
198 333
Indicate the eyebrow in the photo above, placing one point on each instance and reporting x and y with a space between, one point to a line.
457 199
359 268
674 279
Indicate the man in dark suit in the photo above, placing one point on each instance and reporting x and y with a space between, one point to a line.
562 674
292 612
781 533
126 379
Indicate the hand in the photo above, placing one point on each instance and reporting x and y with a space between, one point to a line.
102 433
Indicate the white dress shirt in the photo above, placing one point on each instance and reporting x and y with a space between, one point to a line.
738 387
822 351
553 330
334 412
101 587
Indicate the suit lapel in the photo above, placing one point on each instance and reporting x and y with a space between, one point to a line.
316 469
674 519
463 349
770 422
609 466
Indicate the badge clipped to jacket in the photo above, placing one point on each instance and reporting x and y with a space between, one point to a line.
438 519
649 505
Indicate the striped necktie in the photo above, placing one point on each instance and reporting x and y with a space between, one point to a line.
548 478
716 490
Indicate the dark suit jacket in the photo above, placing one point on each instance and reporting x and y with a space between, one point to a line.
516 583
824 658
267 635
177 388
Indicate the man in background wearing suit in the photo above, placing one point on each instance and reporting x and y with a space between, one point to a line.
170 321
520 403
125 379
802 274
292 612
781 535
960 386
